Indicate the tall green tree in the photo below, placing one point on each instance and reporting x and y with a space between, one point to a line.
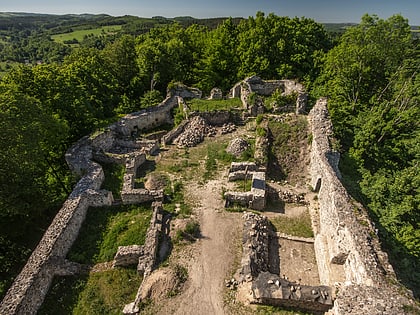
279 47
220 63
360 66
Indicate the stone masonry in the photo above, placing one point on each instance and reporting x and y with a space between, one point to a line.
268 288
255 84
256 197
28 291
348 252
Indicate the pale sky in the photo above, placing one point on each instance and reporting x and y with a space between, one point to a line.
319 10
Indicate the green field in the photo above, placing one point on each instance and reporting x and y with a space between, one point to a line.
80 34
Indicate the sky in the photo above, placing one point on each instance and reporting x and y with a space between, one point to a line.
339 11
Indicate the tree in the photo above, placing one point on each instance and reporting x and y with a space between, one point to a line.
219 64
360 67
280 47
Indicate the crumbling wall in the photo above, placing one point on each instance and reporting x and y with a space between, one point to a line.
255 84
30 287
147 119
143 255
255 198
346 247
266 287
28 291
255 244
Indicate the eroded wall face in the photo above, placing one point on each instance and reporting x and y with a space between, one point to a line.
348 256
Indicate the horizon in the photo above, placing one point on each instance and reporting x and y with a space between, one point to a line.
323 11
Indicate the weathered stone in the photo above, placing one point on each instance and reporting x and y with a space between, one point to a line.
345 251
237 146
216 94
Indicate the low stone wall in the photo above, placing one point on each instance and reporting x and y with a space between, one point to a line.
174 133
346 247
270 289
255 198
147 257
143 255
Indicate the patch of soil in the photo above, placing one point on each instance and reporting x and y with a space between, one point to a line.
210 260
160 284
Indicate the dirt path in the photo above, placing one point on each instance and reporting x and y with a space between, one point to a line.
212 259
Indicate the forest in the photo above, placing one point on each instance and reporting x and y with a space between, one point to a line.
53 93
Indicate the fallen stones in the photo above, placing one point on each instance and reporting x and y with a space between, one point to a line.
193 133
289 197
228 128
237 146
255 257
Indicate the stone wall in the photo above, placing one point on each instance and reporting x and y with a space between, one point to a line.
255 84
268 288
28 291
255 254
255 198
148 118
30 287
346 247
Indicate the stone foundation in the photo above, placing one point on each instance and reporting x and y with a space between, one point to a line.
28 291
256 197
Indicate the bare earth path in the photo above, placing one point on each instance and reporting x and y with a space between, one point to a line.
212 258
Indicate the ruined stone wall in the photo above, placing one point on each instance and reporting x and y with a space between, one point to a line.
347 249
256 85
28 291
148 118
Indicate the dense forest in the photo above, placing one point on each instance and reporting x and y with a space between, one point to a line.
52 93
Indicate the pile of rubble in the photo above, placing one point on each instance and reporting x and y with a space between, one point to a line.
228 128
237 146
289 197
194 133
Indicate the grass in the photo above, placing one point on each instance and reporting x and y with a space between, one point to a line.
114 175
203 105
80 34
273 310
243 185
103 292
296 226
174 193
107 228
216 154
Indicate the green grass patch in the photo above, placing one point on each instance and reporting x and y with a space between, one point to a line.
274 310
203 105
114 176
243 185
79 35
174 194
101 293
216 154
296 226
107 228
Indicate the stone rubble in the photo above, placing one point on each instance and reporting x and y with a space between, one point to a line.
228 128
237 146
193 133
289 197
